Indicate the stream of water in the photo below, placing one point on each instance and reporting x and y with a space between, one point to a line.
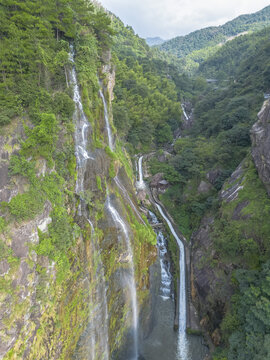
184 112
95 340
182 340
140 183
131 281
165 266
82 127
106 117
119 221
163 342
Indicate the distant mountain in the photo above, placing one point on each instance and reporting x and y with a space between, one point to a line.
151 41
182 46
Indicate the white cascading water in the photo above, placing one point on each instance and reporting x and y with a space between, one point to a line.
81 130
166 277
118 220
184 112
132 287
108 128
140 183
98 327
182 339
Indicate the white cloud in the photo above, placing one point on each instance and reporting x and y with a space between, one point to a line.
169 18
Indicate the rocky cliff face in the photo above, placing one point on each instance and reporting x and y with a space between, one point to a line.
221 244
211 283
49 296
260 135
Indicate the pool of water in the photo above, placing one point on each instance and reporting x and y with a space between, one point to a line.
162 342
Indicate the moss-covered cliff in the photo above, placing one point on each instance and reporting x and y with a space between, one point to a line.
52 262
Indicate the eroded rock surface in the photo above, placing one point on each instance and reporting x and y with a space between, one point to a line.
212 287
260 135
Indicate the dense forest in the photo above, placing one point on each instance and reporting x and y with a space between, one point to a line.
197 46
148 92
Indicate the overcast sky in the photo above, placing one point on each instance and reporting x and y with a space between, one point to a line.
169 18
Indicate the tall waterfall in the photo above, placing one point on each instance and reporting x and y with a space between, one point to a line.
81 128
131 281
166 277
140 183
108 128
184 112
118 220
182 339
95 340
99 337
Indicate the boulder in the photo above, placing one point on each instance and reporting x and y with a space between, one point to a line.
156 180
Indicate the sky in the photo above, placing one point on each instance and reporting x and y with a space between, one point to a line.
170 18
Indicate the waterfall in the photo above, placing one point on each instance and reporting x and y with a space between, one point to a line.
184 112
108 127
81 128
182 339
131 284
140 184
99 325
96 336
166 277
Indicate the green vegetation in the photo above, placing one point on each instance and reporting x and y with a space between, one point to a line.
197 46
37 107
219 139
36 95
248 236
146 107
225 63
99 184
245 242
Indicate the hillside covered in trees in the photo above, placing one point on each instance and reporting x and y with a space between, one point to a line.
197 46
201 161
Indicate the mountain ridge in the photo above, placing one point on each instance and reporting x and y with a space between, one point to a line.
197 45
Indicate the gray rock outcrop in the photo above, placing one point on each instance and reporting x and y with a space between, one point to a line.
260 135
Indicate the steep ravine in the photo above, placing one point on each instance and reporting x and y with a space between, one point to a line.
178 345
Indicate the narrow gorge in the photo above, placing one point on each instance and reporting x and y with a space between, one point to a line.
183 346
